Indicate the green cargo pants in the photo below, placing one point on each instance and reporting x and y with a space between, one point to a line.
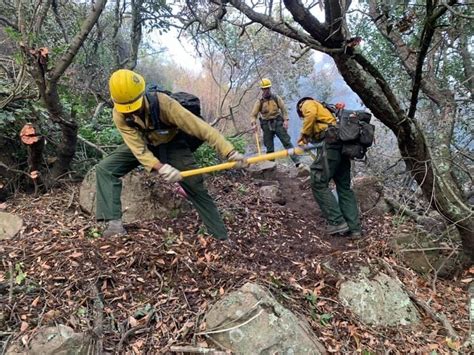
274 127
121 161
335 212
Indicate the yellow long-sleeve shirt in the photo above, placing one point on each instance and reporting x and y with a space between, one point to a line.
171 114
316 118
269 109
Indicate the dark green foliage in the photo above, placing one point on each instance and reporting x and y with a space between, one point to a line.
207 156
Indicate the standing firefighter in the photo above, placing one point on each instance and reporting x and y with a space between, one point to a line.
273 119
319 124
164 152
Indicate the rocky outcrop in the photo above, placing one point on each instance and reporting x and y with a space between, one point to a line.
143 197
59 340
273 193
251 321
369 192
10 225
378 301
265 170
426 253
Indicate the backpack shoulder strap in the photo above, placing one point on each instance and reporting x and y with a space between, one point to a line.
154 103
332 108
275 98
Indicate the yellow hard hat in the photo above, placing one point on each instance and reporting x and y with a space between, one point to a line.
265 83
126 89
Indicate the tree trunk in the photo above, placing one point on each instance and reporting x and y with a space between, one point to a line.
429 169
67 148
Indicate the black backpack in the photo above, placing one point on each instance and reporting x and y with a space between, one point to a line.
355 132
189 101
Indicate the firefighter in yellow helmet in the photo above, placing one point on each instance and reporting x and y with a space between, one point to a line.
341 214
164 152
273 115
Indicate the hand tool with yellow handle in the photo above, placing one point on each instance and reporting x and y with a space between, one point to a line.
259 150
299 150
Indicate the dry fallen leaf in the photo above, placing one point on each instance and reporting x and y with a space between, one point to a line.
453 344
75 255
202 241
23 327
133 322
35 302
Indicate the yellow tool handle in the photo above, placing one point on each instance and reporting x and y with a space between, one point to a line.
259 150
251 160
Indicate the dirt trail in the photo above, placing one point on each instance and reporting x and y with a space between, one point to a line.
165 266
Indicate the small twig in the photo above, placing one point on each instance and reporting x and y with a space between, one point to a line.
71 200
428 249
232 328
10 292
5 344
143 328
195 350
92 145
98 319
133 331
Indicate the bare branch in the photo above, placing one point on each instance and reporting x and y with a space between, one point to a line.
425 42
451 9
7 22
78 40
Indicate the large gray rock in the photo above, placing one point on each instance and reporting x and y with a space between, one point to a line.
265 170
369 192
143 197
59 340
10 225
380 301
251 321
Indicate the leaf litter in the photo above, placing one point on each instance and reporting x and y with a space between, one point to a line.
157 283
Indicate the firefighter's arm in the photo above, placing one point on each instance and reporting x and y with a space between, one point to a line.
135 142
282 106
310 116
172 113
255 112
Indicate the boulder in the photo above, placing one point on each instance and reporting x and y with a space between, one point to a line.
265 170
251 321
10 225
380 301
59 340
425 253
272 193
369 192
143 197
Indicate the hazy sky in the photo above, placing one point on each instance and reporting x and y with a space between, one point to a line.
180 50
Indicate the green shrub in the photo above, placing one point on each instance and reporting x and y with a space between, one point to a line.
207 156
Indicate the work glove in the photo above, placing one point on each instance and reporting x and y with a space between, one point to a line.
254 125
170 174
239 158
303 140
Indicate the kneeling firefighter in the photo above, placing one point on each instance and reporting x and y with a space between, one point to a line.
319 124
163 151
